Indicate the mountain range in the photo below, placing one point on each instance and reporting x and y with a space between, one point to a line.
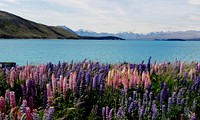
188 35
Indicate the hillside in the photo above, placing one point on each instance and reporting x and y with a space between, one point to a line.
12 26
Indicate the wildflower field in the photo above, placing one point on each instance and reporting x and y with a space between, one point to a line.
96 91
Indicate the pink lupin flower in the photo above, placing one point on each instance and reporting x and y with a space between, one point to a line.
20 74
181 67
27 81
116 81
125 81
65 87
70 80
12 77
147 81
12 99
2 105
74 80
58 84
53 83
109 81
7 95
131 82
135 76
61 82
49 94
143 77
28 114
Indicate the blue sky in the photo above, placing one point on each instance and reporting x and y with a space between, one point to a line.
140 16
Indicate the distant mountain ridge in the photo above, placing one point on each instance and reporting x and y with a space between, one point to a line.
191 34
12 26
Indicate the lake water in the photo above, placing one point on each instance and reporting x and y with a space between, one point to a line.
107 51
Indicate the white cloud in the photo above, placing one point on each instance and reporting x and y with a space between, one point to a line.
194 17
194 2
143 16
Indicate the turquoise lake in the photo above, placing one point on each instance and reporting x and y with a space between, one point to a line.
105 51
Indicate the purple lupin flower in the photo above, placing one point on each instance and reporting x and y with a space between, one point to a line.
103 112
95 81
142 109
101 90
145 96
31 104
23 106
163 111
169 104
182 101
134 95
187 111
154 110
193 117
130 107
151 96
107 112
194 104
173 97
87 78
50 113
120 113
161 96
110 114
23 91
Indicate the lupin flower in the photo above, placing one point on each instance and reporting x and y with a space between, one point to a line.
125 81
49 93
61 83
110 114
2 105
53 83
87 78
12 77
95 81
141 112
181 67
174 98
71 81
154 110
130 107
31 103
120 113
50 113
28 114
169 104
12 99
194 104
107 112
116 80
134 95
101 89
23 106
103 112
151 96
193 117
163 111
65 86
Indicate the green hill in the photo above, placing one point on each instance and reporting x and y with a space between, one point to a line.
12 26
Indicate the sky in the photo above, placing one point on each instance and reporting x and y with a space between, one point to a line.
139 16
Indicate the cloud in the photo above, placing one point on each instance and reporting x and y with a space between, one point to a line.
194 17
12 1
2 5
194 2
